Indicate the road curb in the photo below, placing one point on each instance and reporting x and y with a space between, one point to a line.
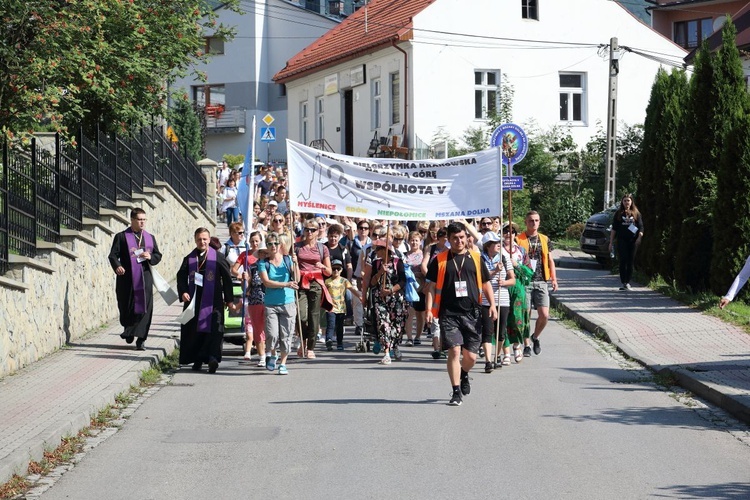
684 377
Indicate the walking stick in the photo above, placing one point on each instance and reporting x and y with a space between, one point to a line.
295 268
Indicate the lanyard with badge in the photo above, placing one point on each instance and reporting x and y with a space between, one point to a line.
534 250
138 251
198 275
462 289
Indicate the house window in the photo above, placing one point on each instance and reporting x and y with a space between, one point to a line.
486 93
530 9
319 119
376 92
572 97
209 95
303 122
689 34
214 45
282 90
395 81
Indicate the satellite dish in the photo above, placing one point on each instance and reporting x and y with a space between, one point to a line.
719 23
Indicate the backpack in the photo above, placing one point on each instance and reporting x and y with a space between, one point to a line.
300 244
410 292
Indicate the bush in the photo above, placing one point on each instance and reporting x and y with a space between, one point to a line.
575 231
563 207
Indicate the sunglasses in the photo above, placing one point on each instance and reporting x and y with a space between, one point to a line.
272 243
278 220
485 223
240 232
398 239
363 228
311 229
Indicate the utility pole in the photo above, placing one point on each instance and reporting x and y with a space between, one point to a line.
610 166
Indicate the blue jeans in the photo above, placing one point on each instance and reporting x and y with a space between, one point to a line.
233 215
335 323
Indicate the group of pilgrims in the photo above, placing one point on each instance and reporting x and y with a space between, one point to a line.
307 268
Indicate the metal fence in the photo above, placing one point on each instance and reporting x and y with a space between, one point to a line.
44 189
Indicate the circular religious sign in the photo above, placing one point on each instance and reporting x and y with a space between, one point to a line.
512 140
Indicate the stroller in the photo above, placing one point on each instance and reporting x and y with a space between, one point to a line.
369 333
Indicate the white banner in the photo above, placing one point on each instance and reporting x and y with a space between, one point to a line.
390 188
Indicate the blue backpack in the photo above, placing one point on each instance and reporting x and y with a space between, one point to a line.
410 292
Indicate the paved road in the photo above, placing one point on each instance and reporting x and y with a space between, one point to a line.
567 424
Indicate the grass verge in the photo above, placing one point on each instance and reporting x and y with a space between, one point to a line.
70 445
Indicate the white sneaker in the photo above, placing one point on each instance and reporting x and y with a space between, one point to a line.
386 360
262 361
247 356
627 286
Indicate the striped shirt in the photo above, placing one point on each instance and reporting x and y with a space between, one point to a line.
502 299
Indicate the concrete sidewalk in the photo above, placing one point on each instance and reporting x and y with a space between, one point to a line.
707 356
59 394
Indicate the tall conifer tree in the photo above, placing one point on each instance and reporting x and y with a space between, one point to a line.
668 155
732 205
647 184
690 222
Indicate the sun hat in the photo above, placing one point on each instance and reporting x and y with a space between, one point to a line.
490 236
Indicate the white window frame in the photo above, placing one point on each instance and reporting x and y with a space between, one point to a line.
376 91
303 122
484 91
394 85
320 122
571 93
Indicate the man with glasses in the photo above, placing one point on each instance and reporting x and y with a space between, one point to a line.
539 249
485 225
133 253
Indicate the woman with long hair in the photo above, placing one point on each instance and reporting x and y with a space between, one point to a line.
627 225
255 318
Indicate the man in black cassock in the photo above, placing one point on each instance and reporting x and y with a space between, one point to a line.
204 277
133 253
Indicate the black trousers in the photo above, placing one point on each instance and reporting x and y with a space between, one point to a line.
626 252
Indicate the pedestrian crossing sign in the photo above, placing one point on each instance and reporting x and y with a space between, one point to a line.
268 134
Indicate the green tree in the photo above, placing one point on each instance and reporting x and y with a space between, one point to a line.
187 126
656 181
234 161
715 106
96 61
732 243
694 177
731 209
649 179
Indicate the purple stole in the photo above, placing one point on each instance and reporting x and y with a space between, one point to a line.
136 270
206 307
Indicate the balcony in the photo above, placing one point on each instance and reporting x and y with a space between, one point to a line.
221 120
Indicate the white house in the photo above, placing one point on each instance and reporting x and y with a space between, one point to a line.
240 85
414 67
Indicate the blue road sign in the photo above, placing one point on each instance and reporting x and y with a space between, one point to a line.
512 183
267 134
512 140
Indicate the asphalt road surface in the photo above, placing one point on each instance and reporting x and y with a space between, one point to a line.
569 423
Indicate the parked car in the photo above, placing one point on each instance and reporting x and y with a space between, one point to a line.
595 237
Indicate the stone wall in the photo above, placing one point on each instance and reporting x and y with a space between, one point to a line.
68 290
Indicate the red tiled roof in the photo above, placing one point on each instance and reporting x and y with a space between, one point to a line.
387 21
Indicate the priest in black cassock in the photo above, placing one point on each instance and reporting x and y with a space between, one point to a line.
204 277
133 253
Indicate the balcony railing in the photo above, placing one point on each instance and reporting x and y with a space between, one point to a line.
221 120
